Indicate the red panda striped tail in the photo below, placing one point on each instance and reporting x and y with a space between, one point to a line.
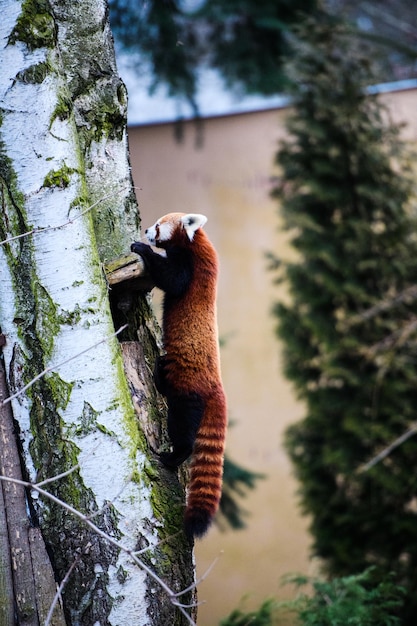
206 471
197 523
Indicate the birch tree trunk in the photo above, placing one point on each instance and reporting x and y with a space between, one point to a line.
65 179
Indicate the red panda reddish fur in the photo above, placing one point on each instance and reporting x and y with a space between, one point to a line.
189 373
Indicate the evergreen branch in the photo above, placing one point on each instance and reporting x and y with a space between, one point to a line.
389 18
383 40
345 328
386 451
403 297
394 340
51 368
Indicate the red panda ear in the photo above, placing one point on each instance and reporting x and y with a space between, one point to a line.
192 222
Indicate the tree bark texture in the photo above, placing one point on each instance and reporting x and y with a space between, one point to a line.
30 581
6 582
65 178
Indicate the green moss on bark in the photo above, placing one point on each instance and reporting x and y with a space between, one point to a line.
63 108
47 324
35 26
99 111
59 178
34 74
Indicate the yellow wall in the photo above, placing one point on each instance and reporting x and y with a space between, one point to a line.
228 179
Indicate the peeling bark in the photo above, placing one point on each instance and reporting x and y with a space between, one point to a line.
27 568
65 178
6 581
45 584
17 522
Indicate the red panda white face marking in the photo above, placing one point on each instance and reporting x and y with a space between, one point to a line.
165 227
159 232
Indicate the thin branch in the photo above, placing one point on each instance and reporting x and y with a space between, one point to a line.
74 469
188 606
403 297
112 501
51 368
117 544
202 577
90 517
386 451
394 341
389 18
39 231
58 595
58 476
160 542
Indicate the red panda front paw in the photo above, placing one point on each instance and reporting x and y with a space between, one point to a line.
167 459
173 459
139 247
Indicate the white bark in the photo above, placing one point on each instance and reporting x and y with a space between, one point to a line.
54 299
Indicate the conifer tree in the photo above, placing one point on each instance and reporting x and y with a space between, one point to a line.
246 41
350 331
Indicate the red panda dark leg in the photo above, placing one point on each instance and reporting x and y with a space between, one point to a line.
172 273
159 375
184 417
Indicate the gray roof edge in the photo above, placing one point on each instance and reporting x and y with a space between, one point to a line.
248 104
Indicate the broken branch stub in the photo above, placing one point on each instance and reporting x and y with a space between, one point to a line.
128 267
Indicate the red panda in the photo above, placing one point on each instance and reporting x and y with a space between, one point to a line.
189 372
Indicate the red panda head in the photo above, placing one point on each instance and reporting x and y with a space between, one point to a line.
175 228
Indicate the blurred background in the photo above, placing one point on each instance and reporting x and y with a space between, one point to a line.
213 87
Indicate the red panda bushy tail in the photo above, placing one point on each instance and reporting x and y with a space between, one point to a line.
206 472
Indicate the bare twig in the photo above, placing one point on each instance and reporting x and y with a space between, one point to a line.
39 231
90 517
58 476
393 341
52 368
389 18
117 544
386 451
58 595
160 542
403 297
112 501
202 577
